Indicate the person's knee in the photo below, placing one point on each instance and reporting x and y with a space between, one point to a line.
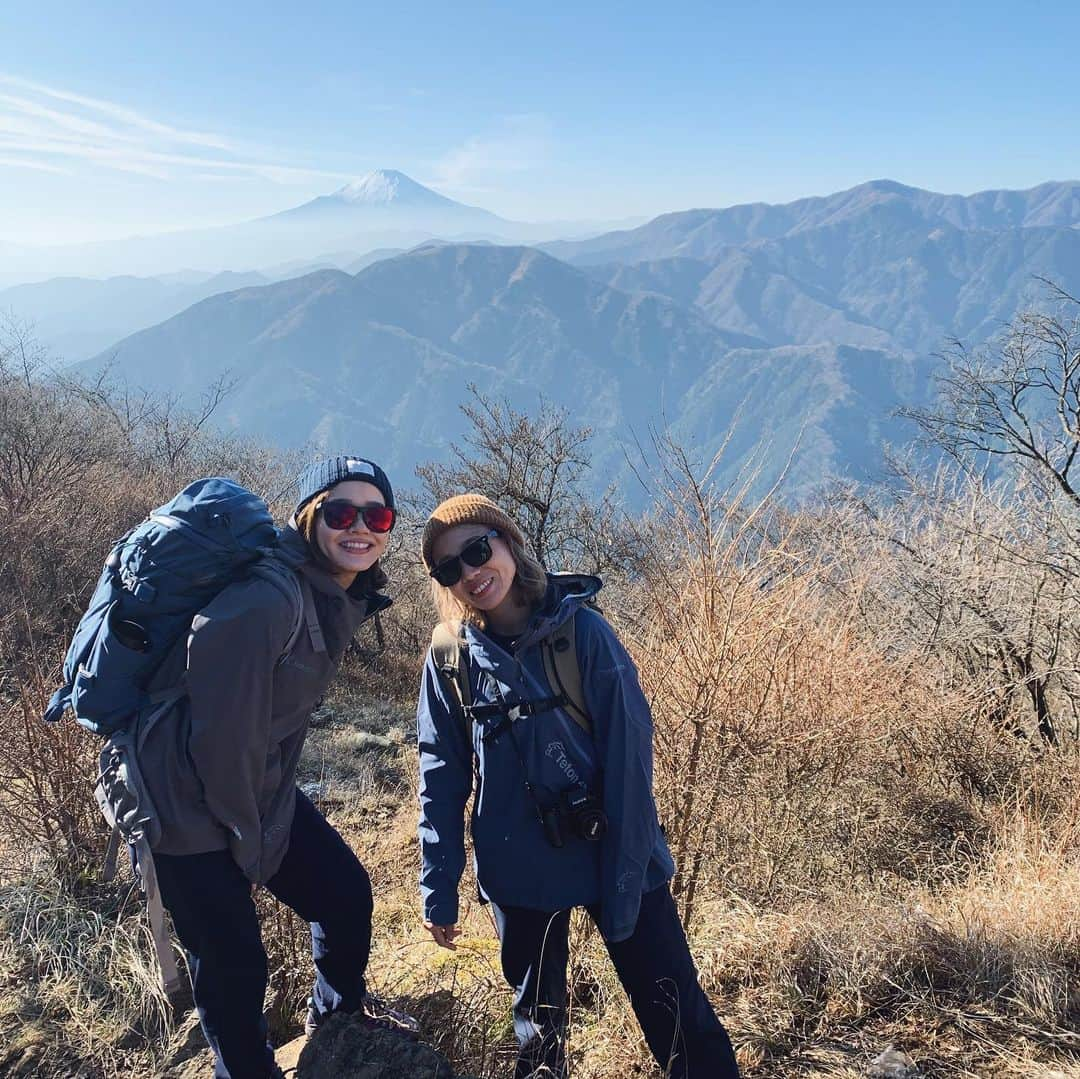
348 894
358 897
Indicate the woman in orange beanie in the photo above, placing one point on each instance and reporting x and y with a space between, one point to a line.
528 688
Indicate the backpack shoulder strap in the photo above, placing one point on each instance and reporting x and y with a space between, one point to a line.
125 802
293 585
309 617
448 650
559 651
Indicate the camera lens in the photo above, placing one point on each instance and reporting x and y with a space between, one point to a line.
585 814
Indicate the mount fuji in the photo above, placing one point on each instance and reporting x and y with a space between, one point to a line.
388 199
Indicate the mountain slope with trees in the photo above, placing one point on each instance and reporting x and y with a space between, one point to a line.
812 324
384 357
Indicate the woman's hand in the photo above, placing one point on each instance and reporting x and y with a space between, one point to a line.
443 935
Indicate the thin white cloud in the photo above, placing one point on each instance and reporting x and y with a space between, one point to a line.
120 114
38 166
152 162
53 130
520 144
12 107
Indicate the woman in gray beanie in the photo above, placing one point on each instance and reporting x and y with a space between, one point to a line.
223 775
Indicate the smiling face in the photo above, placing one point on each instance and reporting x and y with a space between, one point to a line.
488 588
352 550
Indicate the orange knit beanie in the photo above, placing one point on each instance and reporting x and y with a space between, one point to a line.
466 509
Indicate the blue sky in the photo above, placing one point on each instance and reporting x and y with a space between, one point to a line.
124 118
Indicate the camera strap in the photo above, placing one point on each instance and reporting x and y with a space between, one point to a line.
510 714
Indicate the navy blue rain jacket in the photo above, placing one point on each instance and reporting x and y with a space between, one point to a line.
515 864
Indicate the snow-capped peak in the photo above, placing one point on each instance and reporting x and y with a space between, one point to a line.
385 186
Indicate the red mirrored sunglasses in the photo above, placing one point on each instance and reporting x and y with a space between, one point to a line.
339 515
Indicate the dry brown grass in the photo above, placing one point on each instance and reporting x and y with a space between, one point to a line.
80 977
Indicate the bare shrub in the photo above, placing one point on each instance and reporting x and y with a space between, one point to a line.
535 467
994 565
979 581
790 753
1017 401
46 780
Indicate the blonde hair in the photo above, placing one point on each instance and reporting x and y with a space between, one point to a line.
530 583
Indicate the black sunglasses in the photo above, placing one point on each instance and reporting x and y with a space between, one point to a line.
339 515
475 553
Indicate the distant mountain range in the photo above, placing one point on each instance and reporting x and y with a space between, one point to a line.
811 323
76 317
704 233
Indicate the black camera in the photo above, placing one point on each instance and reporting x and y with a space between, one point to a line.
578 812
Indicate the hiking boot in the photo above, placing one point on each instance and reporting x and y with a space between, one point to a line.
373 1012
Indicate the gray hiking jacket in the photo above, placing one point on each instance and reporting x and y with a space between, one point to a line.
220 767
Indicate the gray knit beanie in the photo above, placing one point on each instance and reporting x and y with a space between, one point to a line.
324 474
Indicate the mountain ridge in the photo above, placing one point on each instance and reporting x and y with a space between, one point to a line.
701 231
385 356
809 334
418 328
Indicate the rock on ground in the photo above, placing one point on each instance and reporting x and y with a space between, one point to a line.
342 1048
345 1048
893 1064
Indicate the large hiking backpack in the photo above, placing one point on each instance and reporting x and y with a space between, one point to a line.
156 579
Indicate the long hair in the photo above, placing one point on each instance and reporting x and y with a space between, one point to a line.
530 584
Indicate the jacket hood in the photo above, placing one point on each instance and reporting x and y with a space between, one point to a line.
566 592
292 548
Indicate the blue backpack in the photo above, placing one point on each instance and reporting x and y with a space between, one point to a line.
155 580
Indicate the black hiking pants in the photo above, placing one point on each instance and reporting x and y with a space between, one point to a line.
214 914
655 968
